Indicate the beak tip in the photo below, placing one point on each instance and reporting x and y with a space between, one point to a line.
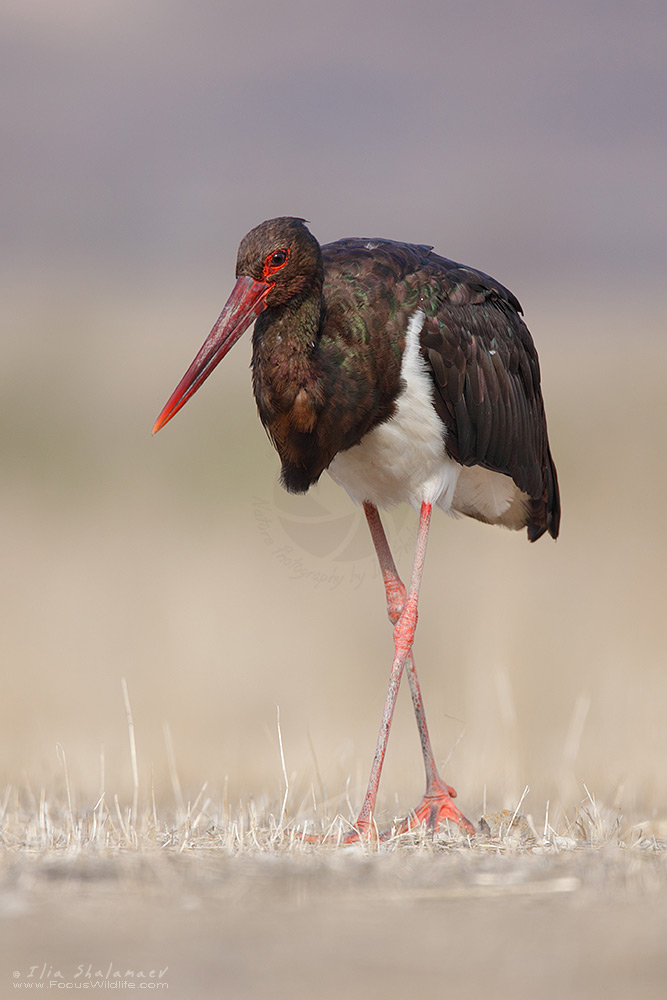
241 309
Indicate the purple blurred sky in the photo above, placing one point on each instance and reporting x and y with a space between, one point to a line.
525 137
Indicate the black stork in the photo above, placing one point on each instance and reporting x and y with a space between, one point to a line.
406 376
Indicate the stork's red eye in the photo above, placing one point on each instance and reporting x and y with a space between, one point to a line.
275 261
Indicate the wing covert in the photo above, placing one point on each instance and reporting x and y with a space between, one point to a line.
487 379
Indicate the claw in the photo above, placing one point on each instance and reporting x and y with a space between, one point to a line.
436 808
364 831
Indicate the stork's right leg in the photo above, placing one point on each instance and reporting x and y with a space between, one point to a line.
436 805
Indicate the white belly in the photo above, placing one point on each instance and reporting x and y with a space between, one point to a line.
404 459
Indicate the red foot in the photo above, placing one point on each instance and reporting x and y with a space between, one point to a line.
362 832
433 810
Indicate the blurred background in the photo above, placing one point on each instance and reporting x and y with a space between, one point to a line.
140 142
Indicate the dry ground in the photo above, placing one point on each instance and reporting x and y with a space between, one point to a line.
216 911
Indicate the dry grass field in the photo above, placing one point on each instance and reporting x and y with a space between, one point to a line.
175 572
211 911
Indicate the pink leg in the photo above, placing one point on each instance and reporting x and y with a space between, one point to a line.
404 632
436 805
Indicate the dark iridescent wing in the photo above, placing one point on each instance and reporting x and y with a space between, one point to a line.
482 357
487 378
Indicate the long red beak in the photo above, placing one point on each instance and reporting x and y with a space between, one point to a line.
241 309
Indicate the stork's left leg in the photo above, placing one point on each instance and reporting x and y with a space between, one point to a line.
436 805
404 633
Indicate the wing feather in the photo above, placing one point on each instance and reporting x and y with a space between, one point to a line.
487 379
480 353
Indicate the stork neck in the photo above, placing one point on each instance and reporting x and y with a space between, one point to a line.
285 353
288 332
295 323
